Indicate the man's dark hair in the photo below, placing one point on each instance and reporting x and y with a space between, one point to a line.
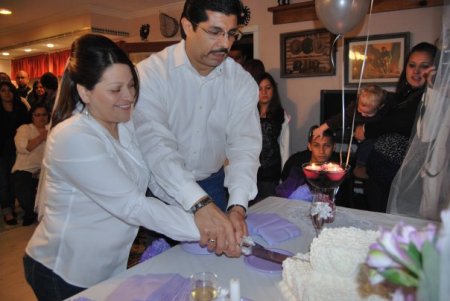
327 133
195 11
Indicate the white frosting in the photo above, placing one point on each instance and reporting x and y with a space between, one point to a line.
332 269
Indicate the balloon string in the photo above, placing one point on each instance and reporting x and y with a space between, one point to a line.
331 52
359 84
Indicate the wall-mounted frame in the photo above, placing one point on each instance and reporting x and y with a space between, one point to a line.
307 53
384 61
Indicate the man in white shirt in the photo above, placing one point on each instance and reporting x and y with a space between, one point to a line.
197 109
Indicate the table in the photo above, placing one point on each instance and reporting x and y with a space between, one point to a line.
255 285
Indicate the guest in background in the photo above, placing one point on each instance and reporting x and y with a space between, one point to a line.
50 83
255 67
370 107
91 197
30 143
197 109
37 94
392 132
22 80
271 115
237 54
320 150
13 113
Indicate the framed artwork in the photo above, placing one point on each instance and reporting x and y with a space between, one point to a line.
307 53
383 62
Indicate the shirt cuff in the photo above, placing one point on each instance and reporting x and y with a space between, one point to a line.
190 194
238 197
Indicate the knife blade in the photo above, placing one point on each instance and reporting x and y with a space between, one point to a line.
261 252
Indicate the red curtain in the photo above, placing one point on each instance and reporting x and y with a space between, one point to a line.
39 64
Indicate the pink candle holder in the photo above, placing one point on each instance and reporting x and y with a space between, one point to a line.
325 179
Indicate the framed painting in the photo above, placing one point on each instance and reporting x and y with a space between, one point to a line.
383 61
307 53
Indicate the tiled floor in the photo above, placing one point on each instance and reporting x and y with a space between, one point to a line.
13 240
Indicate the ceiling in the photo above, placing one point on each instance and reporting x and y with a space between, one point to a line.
31 14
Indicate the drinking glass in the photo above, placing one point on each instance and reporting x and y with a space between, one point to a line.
204 286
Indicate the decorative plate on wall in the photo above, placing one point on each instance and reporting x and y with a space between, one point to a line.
168 25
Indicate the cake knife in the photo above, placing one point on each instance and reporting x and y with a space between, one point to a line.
249 247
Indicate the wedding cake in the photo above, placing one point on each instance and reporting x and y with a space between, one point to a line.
333 269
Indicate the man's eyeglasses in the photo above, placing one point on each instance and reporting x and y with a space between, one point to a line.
217 34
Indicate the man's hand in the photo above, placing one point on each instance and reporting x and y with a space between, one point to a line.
216 231
237 218
359 133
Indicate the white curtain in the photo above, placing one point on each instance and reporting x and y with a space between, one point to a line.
421 188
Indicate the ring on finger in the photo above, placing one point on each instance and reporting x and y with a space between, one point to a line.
211 241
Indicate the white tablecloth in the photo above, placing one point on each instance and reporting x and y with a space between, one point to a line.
258 286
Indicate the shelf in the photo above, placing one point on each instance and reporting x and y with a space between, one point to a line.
305 11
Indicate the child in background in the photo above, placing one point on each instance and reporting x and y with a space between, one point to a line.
320 150
371 106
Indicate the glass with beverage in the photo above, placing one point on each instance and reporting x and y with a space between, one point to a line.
204 286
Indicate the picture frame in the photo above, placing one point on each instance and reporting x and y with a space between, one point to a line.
307 53
385 59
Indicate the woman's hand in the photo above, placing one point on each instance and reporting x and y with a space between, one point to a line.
430 75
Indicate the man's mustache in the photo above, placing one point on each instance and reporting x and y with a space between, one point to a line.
221 50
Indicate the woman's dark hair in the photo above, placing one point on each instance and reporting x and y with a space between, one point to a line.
275 110
403 85
36 106
255 67
195 11
49 81
4 77
16 97
90 56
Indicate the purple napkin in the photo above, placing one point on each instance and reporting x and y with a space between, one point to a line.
152 287
302 193
271 227
256 221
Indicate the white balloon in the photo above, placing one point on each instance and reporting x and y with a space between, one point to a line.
341 16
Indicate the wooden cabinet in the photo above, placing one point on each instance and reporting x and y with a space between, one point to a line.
305 11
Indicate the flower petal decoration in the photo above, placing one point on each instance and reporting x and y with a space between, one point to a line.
379 260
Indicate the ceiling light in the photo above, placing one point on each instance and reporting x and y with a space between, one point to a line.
50 45
4 11
27 50
5 53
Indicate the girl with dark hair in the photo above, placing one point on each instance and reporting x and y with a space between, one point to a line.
37 94
30 144
13 113
91 195
393 131
271 115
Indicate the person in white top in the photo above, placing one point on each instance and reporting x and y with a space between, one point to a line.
197 108
30 143
91 196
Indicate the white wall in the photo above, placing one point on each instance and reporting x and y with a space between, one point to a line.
300 96
5 66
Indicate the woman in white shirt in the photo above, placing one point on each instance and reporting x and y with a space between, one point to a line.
91 197
30 143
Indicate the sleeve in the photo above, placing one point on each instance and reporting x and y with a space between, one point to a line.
335 122
82 160
244 143
399 119
21 139
158 144
284 139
